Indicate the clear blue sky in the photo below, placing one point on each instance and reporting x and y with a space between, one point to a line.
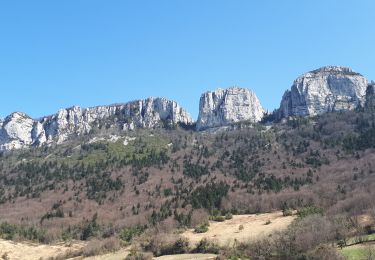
55 54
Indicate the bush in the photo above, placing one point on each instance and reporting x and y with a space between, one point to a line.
90 229
240 228
305 234
228 216
206 247
11 232
167 245
168 192
268 222
135 255
96 247
180 246
260 249
287 212
203 228
341 243
307 211
127 234
217 218
324 253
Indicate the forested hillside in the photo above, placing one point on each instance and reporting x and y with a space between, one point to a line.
124 184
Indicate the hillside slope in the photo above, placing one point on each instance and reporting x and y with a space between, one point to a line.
174 177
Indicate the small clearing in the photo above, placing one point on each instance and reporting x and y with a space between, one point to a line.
253 227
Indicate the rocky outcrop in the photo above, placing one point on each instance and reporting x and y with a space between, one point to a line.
20 131
227 106
64 124
323 90
370 97
16 131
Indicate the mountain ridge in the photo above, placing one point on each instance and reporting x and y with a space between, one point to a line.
326 89
18 130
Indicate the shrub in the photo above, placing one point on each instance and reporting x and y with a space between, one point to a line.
90 228
58 213
167 245
127 234
228 216
180 246
260 249
287 212
341 243
268 222
203 228
11 231
307 211
206 247
324 253
96 247
217 218
307 233
135 255
168 192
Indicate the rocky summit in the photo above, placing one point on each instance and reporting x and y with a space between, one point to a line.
20 131
227 106
327 89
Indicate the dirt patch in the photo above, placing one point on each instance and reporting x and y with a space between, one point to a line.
31 251
253 227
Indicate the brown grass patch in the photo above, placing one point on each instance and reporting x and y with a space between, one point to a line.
252 227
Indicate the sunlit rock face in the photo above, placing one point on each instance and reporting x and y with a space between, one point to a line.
227 106
327 89
20 131
15 131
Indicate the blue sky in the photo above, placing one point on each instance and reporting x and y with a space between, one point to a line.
55 54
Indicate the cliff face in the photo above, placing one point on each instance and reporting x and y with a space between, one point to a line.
226 106
16 131
20 131
323 90
319 91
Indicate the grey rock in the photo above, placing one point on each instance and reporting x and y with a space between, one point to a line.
324 90
20 131
15 131
227 106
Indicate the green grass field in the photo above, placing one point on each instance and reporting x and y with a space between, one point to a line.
354 240
358 252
